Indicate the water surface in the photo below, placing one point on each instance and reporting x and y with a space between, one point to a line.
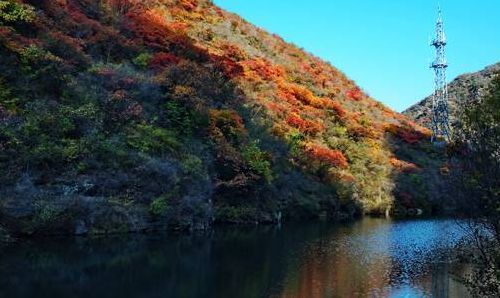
369 258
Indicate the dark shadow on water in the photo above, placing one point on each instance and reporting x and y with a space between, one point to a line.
372 257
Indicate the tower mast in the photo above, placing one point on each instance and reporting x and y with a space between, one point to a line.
440 114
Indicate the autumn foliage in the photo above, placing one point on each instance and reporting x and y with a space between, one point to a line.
404 166
178 63
262 69
355 94
161 60
305 126
333 158
408 134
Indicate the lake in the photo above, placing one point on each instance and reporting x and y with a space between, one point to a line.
367 258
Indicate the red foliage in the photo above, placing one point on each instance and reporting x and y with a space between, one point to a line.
264 69
226 124
233 52
119 95
355 94
359 131
178 27
134 109
305 126
150 26
332 157
161 60
229 67
287 96
409 136
276 108
189 4
407 133
337 108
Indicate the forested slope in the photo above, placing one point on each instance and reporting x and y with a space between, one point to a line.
124 115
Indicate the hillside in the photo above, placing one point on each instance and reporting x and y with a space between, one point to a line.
465 87
126 115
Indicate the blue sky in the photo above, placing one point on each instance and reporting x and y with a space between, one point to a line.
383 44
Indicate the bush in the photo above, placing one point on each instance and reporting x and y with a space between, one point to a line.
150 139
7 99
11 12
180 118
258 161
227 124
142 61
235 214
192 165
159 206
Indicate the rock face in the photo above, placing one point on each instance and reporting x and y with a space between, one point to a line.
465 87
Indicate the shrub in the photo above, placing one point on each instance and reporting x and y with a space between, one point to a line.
181 118
161 60
7 99
142 61
12 11
334 158
262 69
258 161
235 214
305 126
338 109
192 165
159 206
150 139
355 94
226 124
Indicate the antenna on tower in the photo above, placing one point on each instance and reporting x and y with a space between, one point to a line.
440 115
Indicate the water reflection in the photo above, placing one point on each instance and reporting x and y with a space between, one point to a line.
370 258
375 258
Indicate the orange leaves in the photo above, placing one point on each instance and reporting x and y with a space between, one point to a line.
233 52
178 27
295 94
262 69
355 94
151 26
404 166
331 157
276 108
408 132
338 109
230 68
189 4
305 126
229 59
359 131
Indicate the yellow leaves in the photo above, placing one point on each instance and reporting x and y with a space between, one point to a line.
181 91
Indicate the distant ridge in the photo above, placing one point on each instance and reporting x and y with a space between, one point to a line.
460 90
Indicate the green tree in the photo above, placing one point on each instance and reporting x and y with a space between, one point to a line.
475 155
12 11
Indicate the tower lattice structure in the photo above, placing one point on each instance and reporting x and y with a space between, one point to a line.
440 114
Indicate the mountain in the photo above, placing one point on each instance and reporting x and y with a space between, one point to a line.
465 87
127 115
